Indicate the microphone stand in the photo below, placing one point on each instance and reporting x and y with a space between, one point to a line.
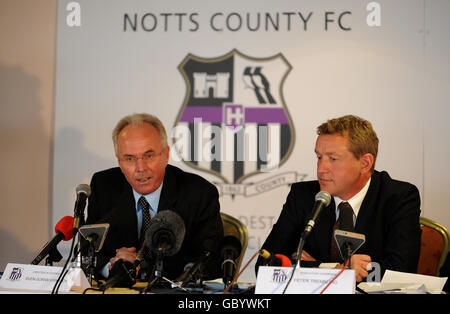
64 270
301 244
159 278
195 273
89 262
54 256
349 254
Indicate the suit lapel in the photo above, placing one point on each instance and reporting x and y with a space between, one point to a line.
169 190
324 230
126 205
364 219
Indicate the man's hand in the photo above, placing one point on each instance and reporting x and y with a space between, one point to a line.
307 257
127 254
361 264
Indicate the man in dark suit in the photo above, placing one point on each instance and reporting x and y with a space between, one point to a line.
386 211
127 197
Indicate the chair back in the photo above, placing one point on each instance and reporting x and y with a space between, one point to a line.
434 247
234 227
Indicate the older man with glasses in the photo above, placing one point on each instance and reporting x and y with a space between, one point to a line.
144 184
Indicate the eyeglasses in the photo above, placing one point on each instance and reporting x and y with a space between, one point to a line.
148 158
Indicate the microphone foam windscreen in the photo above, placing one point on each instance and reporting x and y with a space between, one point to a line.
285 261
65 226
230 244
83 188
166 232
324 196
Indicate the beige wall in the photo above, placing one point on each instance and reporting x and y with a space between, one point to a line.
27 79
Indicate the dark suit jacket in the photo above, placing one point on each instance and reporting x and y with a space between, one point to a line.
189 195
388 217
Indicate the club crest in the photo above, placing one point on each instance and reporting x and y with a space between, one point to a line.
234 122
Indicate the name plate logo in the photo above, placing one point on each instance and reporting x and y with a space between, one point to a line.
272 280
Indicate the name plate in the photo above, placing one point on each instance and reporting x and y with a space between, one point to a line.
42 278
272 280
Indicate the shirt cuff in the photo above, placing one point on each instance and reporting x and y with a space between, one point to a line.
105 270
328 265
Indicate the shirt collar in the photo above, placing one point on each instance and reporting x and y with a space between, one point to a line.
355 201
152 199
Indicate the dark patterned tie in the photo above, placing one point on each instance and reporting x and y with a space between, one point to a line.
145 208
345 220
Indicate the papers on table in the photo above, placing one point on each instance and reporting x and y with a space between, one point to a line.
399 282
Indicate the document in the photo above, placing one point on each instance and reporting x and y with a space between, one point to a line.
400 282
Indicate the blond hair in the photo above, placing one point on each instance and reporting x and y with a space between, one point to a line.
360 133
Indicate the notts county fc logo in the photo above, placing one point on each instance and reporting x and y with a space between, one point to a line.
234 122
16 273
279 275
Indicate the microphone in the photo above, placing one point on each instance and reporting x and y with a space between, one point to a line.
275 260
348 241
165 233
164 237
95 235
83 192
323 199
192 270
123 274
64 231
230 249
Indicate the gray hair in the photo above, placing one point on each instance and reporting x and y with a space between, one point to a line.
136 119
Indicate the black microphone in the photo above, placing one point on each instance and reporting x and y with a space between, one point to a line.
123 274
230 249
63 230
83 192
348 241
165 233
194 270
164 237
93 237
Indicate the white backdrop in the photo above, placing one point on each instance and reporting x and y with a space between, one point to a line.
386 61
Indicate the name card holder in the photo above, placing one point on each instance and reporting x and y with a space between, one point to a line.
24 277
272 280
